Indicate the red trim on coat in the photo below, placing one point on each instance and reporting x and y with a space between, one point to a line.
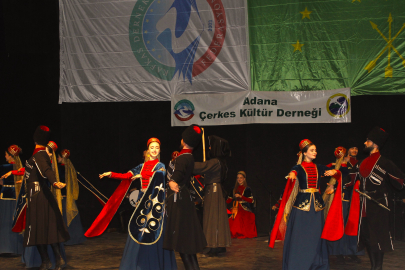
368 164
184 151
36 150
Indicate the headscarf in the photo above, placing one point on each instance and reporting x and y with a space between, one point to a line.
14 151
219 149
72 191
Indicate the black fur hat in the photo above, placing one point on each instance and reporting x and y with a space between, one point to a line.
41 135
192 135
378 136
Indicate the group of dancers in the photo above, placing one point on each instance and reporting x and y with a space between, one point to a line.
353 208
314 226
38 213
165 217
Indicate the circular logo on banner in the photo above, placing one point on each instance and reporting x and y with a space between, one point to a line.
179 38
338 105
184 110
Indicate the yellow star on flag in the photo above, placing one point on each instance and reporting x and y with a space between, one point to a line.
305 13
297 46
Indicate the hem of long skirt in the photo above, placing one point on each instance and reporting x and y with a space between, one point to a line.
217 246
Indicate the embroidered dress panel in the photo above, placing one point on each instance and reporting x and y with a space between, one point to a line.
312 173
146 172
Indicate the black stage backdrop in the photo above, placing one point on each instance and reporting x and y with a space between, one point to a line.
112 136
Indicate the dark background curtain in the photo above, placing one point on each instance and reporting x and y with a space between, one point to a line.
112 136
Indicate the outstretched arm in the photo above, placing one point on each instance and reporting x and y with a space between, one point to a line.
43 164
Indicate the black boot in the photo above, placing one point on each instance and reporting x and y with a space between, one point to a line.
187 261
355 258
213 252
194 262
372 258
46 263
221 250
59 261
379 256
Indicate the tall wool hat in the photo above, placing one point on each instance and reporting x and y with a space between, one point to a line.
378 136
192 135
41 135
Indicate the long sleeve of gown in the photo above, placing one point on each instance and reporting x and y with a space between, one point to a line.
246 199
18 172
137 169
248 195
121 176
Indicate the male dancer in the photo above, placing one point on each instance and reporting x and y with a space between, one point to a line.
373 173
183 230
44 222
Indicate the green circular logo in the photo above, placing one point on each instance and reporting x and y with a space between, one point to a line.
184 110
174 39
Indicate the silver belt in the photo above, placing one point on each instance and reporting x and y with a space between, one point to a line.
8 185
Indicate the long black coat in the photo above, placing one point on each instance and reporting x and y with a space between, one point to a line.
44 222
215 222
183 231
375 183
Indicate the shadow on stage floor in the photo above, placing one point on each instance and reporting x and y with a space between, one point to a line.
104 253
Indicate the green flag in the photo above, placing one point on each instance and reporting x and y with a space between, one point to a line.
328 44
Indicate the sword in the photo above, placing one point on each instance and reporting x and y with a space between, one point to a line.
371 199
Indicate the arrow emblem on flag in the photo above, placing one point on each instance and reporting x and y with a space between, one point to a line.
389 46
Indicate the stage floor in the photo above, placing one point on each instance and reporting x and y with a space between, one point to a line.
104 253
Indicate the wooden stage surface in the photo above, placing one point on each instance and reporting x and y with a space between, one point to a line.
104 253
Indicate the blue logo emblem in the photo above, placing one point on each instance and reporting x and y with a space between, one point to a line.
338 105
184 110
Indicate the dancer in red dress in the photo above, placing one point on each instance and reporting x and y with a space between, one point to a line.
242 221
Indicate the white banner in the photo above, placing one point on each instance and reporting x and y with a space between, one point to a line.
149 50
249 107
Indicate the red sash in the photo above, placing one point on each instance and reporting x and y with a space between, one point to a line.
352 225
110 208
334 224
279 228
104 218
